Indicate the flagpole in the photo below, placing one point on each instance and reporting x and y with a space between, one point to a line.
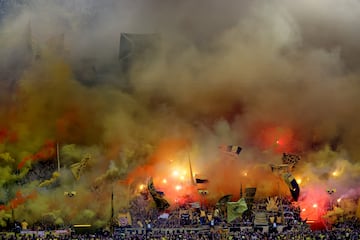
112 203
128 196
112 208
58 156
191 172
241 191
281 201
279 171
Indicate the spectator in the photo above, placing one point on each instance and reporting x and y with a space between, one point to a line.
24 225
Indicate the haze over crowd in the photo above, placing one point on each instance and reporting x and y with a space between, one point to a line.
272 77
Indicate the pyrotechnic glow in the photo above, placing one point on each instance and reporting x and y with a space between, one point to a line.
315 205
303 180
179 173
147 123
176 173
276 138
338 200
141 187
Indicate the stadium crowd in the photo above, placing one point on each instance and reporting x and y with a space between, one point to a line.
203 223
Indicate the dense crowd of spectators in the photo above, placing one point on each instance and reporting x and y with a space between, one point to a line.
40 170
188 222
348 230
201 224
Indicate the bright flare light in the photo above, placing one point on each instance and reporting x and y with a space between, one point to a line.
315 205
164 181
335 173
141 187
178 187
179 172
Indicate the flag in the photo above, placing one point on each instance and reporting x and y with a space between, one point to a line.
70 194
201 183
136 45
160 202
199 180
331 191
230 149
235 209
164 216
224 199
260 219
293 185
160 193
250 192
272 204
250 195
194 205
77 168
234 149
280 168
50 181
203 191
290 159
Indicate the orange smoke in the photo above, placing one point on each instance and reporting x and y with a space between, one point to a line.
46 152
6 135
314 204
19 199
275 138
164 151
158 166
167 148
73 125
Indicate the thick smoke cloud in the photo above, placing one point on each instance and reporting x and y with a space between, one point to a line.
280 76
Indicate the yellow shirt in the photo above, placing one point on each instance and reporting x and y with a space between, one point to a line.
24 225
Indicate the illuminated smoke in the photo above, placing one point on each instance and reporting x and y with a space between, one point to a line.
270 77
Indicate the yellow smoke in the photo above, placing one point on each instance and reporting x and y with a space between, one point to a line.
217 82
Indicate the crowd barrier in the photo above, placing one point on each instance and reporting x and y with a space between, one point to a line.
40 233
181 230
